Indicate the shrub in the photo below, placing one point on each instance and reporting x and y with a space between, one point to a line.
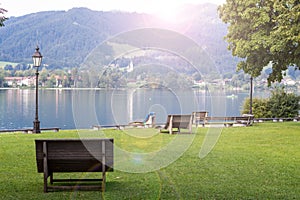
279 105
259 107
283 104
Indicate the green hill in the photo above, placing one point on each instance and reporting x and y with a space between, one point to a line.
67 38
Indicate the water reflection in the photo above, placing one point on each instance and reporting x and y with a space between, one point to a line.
69 109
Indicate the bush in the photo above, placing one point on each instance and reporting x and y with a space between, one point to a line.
279 105
283 104
259 108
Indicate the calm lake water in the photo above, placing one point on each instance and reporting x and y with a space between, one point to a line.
70 109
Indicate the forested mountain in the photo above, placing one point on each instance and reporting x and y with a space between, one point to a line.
66 38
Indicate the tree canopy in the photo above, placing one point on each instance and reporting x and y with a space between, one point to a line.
263 32
2 17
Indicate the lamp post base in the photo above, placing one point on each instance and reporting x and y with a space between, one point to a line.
36 126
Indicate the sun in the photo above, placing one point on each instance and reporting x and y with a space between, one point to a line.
168 12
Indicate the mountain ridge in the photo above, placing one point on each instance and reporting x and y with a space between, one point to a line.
67 37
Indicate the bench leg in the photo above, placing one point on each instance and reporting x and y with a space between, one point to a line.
103 166
171 125
103 181
190 124
51 178
170 129
45 182
45 163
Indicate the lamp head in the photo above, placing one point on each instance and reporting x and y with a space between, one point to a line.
37 57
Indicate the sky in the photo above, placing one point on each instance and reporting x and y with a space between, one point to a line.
164 8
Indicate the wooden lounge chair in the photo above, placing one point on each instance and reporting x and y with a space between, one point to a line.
178 122
149 121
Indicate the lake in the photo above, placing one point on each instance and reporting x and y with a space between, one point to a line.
71 109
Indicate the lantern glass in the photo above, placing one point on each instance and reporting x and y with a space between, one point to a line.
37 58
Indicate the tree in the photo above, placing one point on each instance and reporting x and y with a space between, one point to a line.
8 67
2 75
263 32
51 82
85 79
74 74
2 17
43 76
111 78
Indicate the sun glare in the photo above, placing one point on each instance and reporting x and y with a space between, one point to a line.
168 12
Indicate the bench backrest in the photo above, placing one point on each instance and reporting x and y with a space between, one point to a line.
221 119
199 116
179 121
75 155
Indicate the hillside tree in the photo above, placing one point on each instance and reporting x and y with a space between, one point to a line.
2 75
2 17
263 32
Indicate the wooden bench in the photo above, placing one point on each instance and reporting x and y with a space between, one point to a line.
199 117
178 122
116 126
230 121
74 155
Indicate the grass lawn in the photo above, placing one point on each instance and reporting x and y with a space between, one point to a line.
258 162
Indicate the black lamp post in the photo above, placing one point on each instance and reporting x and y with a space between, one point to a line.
37 60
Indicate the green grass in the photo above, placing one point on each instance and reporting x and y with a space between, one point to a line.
2 64
258 162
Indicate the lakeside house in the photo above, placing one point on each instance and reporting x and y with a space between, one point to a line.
19 81
28 81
